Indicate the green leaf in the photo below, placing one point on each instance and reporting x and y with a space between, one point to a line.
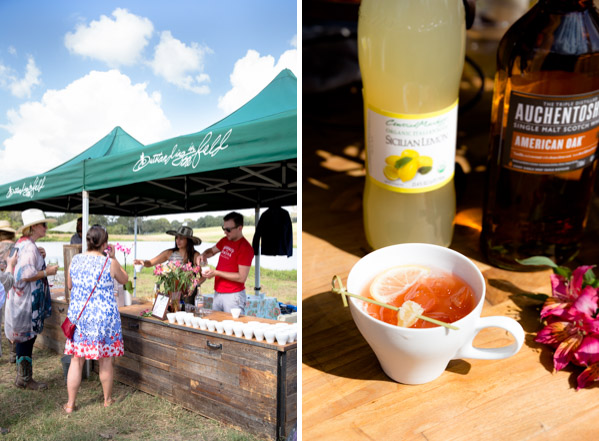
129 287
401 162
590 279
538 261
424 170
563 271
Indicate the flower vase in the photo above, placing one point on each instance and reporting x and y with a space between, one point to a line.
175 301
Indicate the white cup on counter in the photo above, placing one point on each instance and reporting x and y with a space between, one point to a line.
259 332
171 317
238 329
248 330
282 337
220 327
228 326
269 335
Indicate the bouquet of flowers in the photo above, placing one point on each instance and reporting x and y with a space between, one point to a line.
175 276
571 319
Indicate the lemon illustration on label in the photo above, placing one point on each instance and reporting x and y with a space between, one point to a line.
407 165
425 164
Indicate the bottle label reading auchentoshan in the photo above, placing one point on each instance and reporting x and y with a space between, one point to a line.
411 153
549 134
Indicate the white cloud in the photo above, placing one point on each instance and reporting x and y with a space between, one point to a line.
293 41
65 122
116 42
251 74
20 87
180 64
12 50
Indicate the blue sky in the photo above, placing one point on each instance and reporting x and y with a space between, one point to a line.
70 71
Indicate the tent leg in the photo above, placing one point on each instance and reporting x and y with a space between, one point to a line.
257 264
85 221
134 256
85 226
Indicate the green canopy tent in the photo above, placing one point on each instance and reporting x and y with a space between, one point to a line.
246 160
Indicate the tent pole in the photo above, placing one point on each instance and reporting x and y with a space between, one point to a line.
257 265
134 256
85 221
85 226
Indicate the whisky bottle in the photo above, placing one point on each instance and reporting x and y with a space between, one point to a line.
544 134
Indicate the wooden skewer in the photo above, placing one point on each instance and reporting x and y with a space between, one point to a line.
344 293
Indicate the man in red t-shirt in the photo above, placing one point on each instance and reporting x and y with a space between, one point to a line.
236 255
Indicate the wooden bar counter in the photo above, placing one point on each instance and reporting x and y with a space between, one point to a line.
244 383
345 393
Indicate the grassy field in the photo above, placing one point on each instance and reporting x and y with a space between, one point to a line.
37 415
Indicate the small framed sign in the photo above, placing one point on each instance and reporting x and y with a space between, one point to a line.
161 305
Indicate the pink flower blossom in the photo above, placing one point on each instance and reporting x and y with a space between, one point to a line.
572 323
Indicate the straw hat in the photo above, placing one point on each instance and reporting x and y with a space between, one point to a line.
33 216
185 232
5 226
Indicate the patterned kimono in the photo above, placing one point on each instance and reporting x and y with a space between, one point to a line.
28 304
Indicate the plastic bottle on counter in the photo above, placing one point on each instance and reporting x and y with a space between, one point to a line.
411 55
544 131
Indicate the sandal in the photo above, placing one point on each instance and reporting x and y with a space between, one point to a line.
68 409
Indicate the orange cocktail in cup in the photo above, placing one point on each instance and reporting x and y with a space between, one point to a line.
443 295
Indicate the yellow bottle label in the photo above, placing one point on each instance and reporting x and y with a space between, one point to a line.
411 153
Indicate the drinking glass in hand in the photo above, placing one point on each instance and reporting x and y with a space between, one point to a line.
52 261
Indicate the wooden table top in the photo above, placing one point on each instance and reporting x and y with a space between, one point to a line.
346 395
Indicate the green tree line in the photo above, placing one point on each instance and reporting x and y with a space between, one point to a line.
125 225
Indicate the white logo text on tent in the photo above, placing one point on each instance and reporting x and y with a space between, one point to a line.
185 158
27 190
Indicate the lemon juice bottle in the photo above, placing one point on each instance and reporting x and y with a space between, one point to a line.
411 55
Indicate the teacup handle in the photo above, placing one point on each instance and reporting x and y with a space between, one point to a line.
510 325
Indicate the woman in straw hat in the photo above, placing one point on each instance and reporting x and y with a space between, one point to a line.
182 252
7 264
28 302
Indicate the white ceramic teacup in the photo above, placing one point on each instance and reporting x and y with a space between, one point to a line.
211 325
259 332
416 356
235 312
195 322
238 329
228 326
171 317
269 335
220 327
203 324
292 334
248 330
282 336
187 319
180 316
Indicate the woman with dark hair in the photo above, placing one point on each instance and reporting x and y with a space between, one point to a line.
183 252
98 334
28 302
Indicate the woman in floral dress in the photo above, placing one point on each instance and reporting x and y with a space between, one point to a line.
98 334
